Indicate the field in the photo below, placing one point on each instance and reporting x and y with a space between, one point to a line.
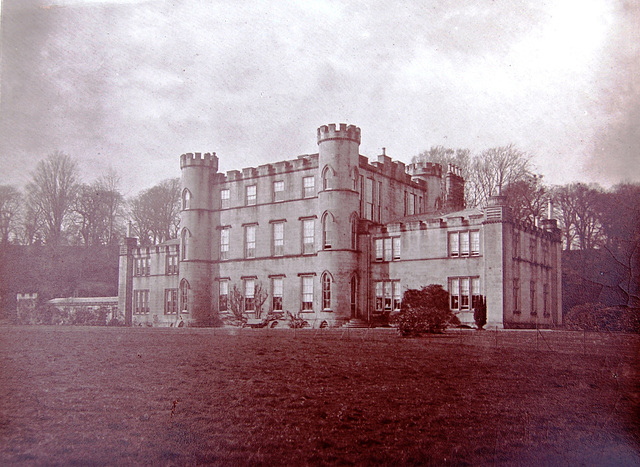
273 396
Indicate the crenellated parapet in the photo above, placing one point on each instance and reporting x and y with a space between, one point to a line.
425 169
342 131
198 159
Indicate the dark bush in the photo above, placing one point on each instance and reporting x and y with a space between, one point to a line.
425 311
599 317
480 313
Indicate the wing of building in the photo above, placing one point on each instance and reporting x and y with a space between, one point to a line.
335 237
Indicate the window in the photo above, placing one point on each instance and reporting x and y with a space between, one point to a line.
532 298
278 191
172 263
388 296
464 293
309 188
354 179
354 232
225 194
327 178
251 195
545 300
184 296
224 243
516 295
516 244
142 267
140 302
475 243
328 227
170 301
308 240
461 242
278 238
533 246
307 293
277 285
249 292
223 295
368 199
326 291
354 296
186 199
387 249
454 244
250 241
185 243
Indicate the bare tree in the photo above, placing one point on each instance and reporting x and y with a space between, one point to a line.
10 203
260 296
51 192
577 206
527 199
565 210
493 170
155 212
109 184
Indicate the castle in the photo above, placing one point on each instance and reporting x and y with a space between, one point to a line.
334 237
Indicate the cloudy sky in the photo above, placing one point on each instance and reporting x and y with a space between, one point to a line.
132 84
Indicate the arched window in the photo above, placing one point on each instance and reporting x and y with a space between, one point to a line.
185 244
328 231
354 231
327 178
326 291
186 199
184 296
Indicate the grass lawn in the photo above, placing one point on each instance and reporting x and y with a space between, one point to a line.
79 395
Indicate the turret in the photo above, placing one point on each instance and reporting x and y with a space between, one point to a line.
338 155
197 225
431 174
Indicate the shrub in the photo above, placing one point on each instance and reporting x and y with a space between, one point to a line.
425 311
599 317
296 322
480 313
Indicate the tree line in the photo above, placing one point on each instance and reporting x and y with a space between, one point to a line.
590 217
57 208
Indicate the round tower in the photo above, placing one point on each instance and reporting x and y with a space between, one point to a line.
338 213
197 224
431 174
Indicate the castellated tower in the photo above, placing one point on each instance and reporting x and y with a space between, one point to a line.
197 224
338 208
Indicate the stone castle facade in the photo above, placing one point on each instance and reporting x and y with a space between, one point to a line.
335 237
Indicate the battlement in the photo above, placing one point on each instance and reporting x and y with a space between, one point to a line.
425 169
454 170
198 159
344 131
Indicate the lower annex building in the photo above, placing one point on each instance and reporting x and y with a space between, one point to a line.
335 237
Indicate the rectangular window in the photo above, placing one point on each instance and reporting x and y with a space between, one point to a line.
252 194
388 296
396 247
533 247
249 292
388 256
223 296
224 243
309 187
545 300
532 298
476 297
464 293
464 243
277 285
379 249
516 295
278 191
454 244
250 241
172 264
225 195
368 199
142 267
278 238
308 236
307 293
475 243
170 301
516 244
141 302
